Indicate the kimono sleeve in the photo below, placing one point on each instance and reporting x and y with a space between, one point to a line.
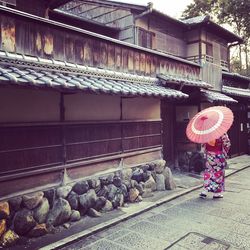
226 144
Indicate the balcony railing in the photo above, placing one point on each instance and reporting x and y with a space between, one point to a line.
198 59
224 64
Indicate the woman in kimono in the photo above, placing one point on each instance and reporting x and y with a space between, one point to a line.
216 153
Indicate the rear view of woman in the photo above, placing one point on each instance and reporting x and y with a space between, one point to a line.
216 152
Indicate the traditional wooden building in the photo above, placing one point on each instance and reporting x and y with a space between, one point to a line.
197 39
75 103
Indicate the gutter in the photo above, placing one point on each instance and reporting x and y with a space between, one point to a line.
146 12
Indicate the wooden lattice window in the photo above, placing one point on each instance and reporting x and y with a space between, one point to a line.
209 49
145 38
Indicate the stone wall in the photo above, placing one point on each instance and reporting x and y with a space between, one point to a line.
36 214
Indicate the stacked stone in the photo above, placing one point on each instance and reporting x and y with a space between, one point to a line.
36 214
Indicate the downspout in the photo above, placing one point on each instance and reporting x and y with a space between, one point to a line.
228 53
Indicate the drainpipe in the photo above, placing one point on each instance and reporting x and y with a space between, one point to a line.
228 52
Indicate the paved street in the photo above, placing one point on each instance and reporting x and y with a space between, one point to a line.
187 222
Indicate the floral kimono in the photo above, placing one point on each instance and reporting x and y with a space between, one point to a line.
216 153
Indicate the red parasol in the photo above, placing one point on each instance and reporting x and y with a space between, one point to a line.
209 124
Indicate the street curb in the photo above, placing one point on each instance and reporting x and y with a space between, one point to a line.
105 225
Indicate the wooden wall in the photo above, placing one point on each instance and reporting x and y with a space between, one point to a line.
31 36
33 136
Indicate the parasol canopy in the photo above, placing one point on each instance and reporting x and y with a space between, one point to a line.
209 124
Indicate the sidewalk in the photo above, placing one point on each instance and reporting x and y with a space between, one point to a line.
87 226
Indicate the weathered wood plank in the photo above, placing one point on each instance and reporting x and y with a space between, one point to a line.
111 56
131 60
118 57
8 34
88 52
137 61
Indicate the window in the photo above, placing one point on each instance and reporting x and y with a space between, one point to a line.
145 38
209 49
223 53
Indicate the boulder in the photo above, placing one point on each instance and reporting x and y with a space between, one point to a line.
63 192
31 201
128 184
81 187
9 239
87 201
126 174
75 215
2 227
73 200
139 187
112 190
147 193
160 182
66 225
159 166
133 183
151 166
100 203
145 167
104 181
23 221
133 194
94 183
150 183
169 180
110 178
93 213
60 212
124 191
139 199
15 203
118 200
40 213
38 230
146 175
107 207
117 181
103 192
51 196
4 210
153 174
138 175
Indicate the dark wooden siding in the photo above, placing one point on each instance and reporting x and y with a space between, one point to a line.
238 132
45 39
25 148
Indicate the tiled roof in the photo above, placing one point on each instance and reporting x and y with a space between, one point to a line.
184 81
32 71
195 20
236 91
213 96
236 76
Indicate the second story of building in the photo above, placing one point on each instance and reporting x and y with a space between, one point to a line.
198 39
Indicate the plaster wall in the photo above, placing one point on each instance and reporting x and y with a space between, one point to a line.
83 106
28 105
140 108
